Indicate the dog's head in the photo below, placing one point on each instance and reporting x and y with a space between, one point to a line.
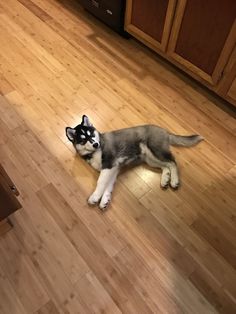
84 137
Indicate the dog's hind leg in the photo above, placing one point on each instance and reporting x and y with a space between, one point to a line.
174 181
166 172
165 177
164 160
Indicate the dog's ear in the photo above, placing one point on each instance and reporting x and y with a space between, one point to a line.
70 133
85 121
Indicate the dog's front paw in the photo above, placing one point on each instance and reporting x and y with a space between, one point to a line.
105 201
93 199
165 180
174 183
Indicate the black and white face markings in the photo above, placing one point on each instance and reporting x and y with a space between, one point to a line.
87 140
84 137
85 134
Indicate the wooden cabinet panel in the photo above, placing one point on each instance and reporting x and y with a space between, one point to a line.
203 36
150 17
227 85
150 21
232 91
8 201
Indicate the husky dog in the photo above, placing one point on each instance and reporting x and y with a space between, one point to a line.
109 152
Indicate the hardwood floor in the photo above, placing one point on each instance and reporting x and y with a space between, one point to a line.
153 251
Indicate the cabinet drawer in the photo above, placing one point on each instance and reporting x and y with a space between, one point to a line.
110 12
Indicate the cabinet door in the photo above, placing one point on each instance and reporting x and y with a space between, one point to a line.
150 21
203 36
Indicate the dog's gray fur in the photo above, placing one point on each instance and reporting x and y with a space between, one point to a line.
109 152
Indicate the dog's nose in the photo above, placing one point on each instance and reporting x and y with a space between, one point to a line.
95 145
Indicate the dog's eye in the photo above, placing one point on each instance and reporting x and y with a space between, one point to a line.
81 139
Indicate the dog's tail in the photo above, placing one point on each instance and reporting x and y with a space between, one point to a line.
182 140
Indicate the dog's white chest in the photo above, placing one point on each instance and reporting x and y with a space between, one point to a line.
96 160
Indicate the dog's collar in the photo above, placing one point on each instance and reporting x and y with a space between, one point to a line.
87 156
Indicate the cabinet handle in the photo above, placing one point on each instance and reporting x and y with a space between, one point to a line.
14 189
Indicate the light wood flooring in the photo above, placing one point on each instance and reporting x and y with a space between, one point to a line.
153 251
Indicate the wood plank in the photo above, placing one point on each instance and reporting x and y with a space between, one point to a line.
114 281
212 291
158 299
5 86
37 11
57 285
63 214
21 273
136 271
10 302
48 308
213 235
92 292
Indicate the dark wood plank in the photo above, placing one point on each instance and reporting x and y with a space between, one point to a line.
214 236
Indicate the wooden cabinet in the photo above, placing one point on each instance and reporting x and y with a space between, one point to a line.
8 200
203 36
227 86
150 21
198 36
